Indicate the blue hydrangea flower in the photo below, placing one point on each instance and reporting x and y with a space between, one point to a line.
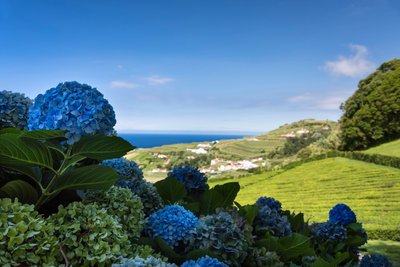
272 221
14 109
374 260
140 262
341 213
76 108
173 223
272 203
126 169
194 180
204 262
331 231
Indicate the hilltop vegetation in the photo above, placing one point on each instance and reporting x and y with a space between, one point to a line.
235 157
372 190
371 115
387 149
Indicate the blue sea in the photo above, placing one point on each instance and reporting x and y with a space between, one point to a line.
148 140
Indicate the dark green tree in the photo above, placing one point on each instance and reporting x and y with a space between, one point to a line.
372 114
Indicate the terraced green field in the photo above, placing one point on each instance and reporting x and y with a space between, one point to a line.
373 191
387 149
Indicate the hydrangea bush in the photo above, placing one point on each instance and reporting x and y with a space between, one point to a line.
121 203
173 223
14 109
193 180
89 235
143 262
205 261
76 108
26 238
126 169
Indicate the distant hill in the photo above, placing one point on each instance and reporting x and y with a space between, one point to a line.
230 157
387 149
373 191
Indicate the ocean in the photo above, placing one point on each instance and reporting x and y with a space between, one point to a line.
148 140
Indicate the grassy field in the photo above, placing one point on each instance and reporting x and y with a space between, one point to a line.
387 149
372 191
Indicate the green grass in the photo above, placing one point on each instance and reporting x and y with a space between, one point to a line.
387 149
390 249
372 191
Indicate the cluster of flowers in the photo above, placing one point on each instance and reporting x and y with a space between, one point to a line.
194 181
14 110
76 108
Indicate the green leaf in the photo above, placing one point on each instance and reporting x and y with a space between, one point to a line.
210 201
296 221
229 191
18 152
168 251
170 190
44 134
101 147
249 212
88 177
270 243
319 262
10 130
296 245
21 190
32 172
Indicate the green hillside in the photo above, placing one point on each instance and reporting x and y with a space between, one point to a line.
156 161
373 191
387 149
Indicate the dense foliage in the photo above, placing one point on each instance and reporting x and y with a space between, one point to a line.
371 115
184 221
14 110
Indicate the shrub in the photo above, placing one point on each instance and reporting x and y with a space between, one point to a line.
121 203
26 239
14 110
220 234
193 180
143 262
89 236
270 202
205 261
76 108
271 221
332 231
174 224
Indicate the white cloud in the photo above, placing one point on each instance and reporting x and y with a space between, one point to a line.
122 85
352 66
320 102
158 80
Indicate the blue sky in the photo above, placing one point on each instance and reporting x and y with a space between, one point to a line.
197 65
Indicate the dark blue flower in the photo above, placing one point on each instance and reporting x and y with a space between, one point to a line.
331 231
272 203
14 110
270 220
341 213
374 260
76 108
205 261
126 169
174 224
194 180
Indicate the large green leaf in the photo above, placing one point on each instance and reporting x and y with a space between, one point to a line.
21 190
88 177
296 245
18 152
210 201
101 147
44 134
170 190
249 212
229 191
